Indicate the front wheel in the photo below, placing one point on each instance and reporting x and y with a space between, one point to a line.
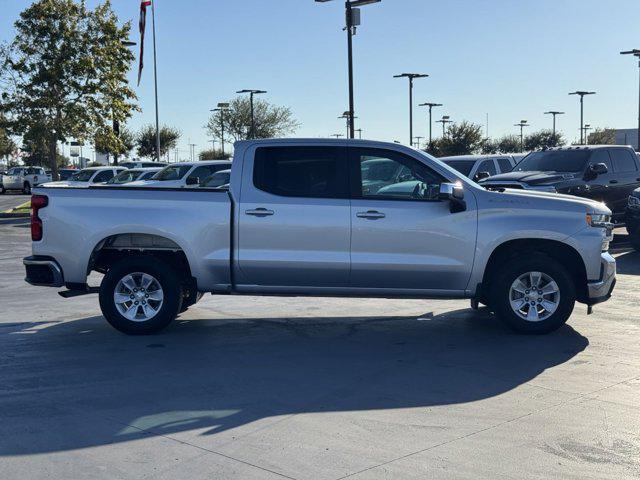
533 295
139 295
26 188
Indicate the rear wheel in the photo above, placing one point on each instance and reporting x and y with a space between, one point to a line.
139 295
26 188
2 189
635 240
533 295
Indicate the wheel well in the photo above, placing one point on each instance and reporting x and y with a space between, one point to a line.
116 247
559 251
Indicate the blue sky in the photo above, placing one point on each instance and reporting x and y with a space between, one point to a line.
510 59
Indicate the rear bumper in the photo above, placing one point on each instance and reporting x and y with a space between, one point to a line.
600 290
43 271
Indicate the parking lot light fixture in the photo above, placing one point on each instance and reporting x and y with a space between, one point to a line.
636 53
251 93
337 135
430 105
222 107
350 122
359 130
582 94
411 77
522 124
555 114
586 129
444 120
352 16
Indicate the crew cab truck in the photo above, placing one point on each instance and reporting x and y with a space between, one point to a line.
23 178
606 173
297 220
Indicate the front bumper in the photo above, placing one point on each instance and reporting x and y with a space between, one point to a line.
43 271
600 290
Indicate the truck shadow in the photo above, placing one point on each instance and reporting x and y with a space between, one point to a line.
81 384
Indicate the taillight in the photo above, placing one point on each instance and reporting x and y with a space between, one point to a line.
37 202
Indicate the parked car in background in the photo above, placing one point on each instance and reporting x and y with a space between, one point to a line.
606 173
23 179
219 179
184 174
88 176
133 174
632 218
299 218
477 167
142 164
65 173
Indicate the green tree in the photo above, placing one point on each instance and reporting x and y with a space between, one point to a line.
508 144
213 154
103 142
463 138
64 74
489 147
146 140
270 120
543 139
602 136
7 145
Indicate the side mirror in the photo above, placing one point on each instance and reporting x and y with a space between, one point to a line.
455 195
594 170
193 181
481 176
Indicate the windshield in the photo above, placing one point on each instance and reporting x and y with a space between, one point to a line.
82 176
554 161
463 166
172 173
124 177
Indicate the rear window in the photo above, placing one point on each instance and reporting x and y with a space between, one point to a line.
504 164
172 173
554 161
302 171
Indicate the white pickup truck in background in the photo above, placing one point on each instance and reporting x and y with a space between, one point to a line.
311 217
23 178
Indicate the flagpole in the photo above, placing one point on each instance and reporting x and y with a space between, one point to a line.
155 77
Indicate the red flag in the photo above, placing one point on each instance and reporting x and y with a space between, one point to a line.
143 20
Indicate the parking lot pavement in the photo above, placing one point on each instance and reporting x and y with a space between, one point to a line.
10 200
261 388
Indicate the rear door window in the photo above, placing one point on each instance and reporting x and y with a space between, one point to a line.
487 166
623 161
319 172
504 164
103 176
601 156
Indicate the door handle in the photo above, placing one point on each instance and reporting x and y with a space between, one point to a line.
370 214
259 212
613 181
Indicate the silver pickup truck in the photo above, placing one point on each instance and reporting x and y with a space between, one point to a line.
324 217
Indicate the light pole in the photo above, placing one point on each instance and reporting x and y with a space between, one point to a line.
636 53
444 120
522 124
350 122
554 113
251 93
359 130
337 135
192 150
430 105
222 107
582 95
352 16
418 141
586 129
411 77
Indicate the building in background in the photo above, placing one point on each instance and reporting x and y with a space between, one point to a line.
627 136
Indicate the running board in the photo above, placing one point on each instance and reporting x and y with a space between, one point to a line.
78 293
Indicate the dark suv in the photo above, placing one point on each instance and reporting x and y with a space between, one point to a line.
607 173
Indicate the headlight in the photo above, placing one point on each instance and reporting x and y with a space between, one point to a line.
633 202
599 220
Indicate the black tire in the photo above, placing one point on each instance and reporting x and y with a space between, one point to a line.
26 188
510 271
166 276
635 241
2 189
